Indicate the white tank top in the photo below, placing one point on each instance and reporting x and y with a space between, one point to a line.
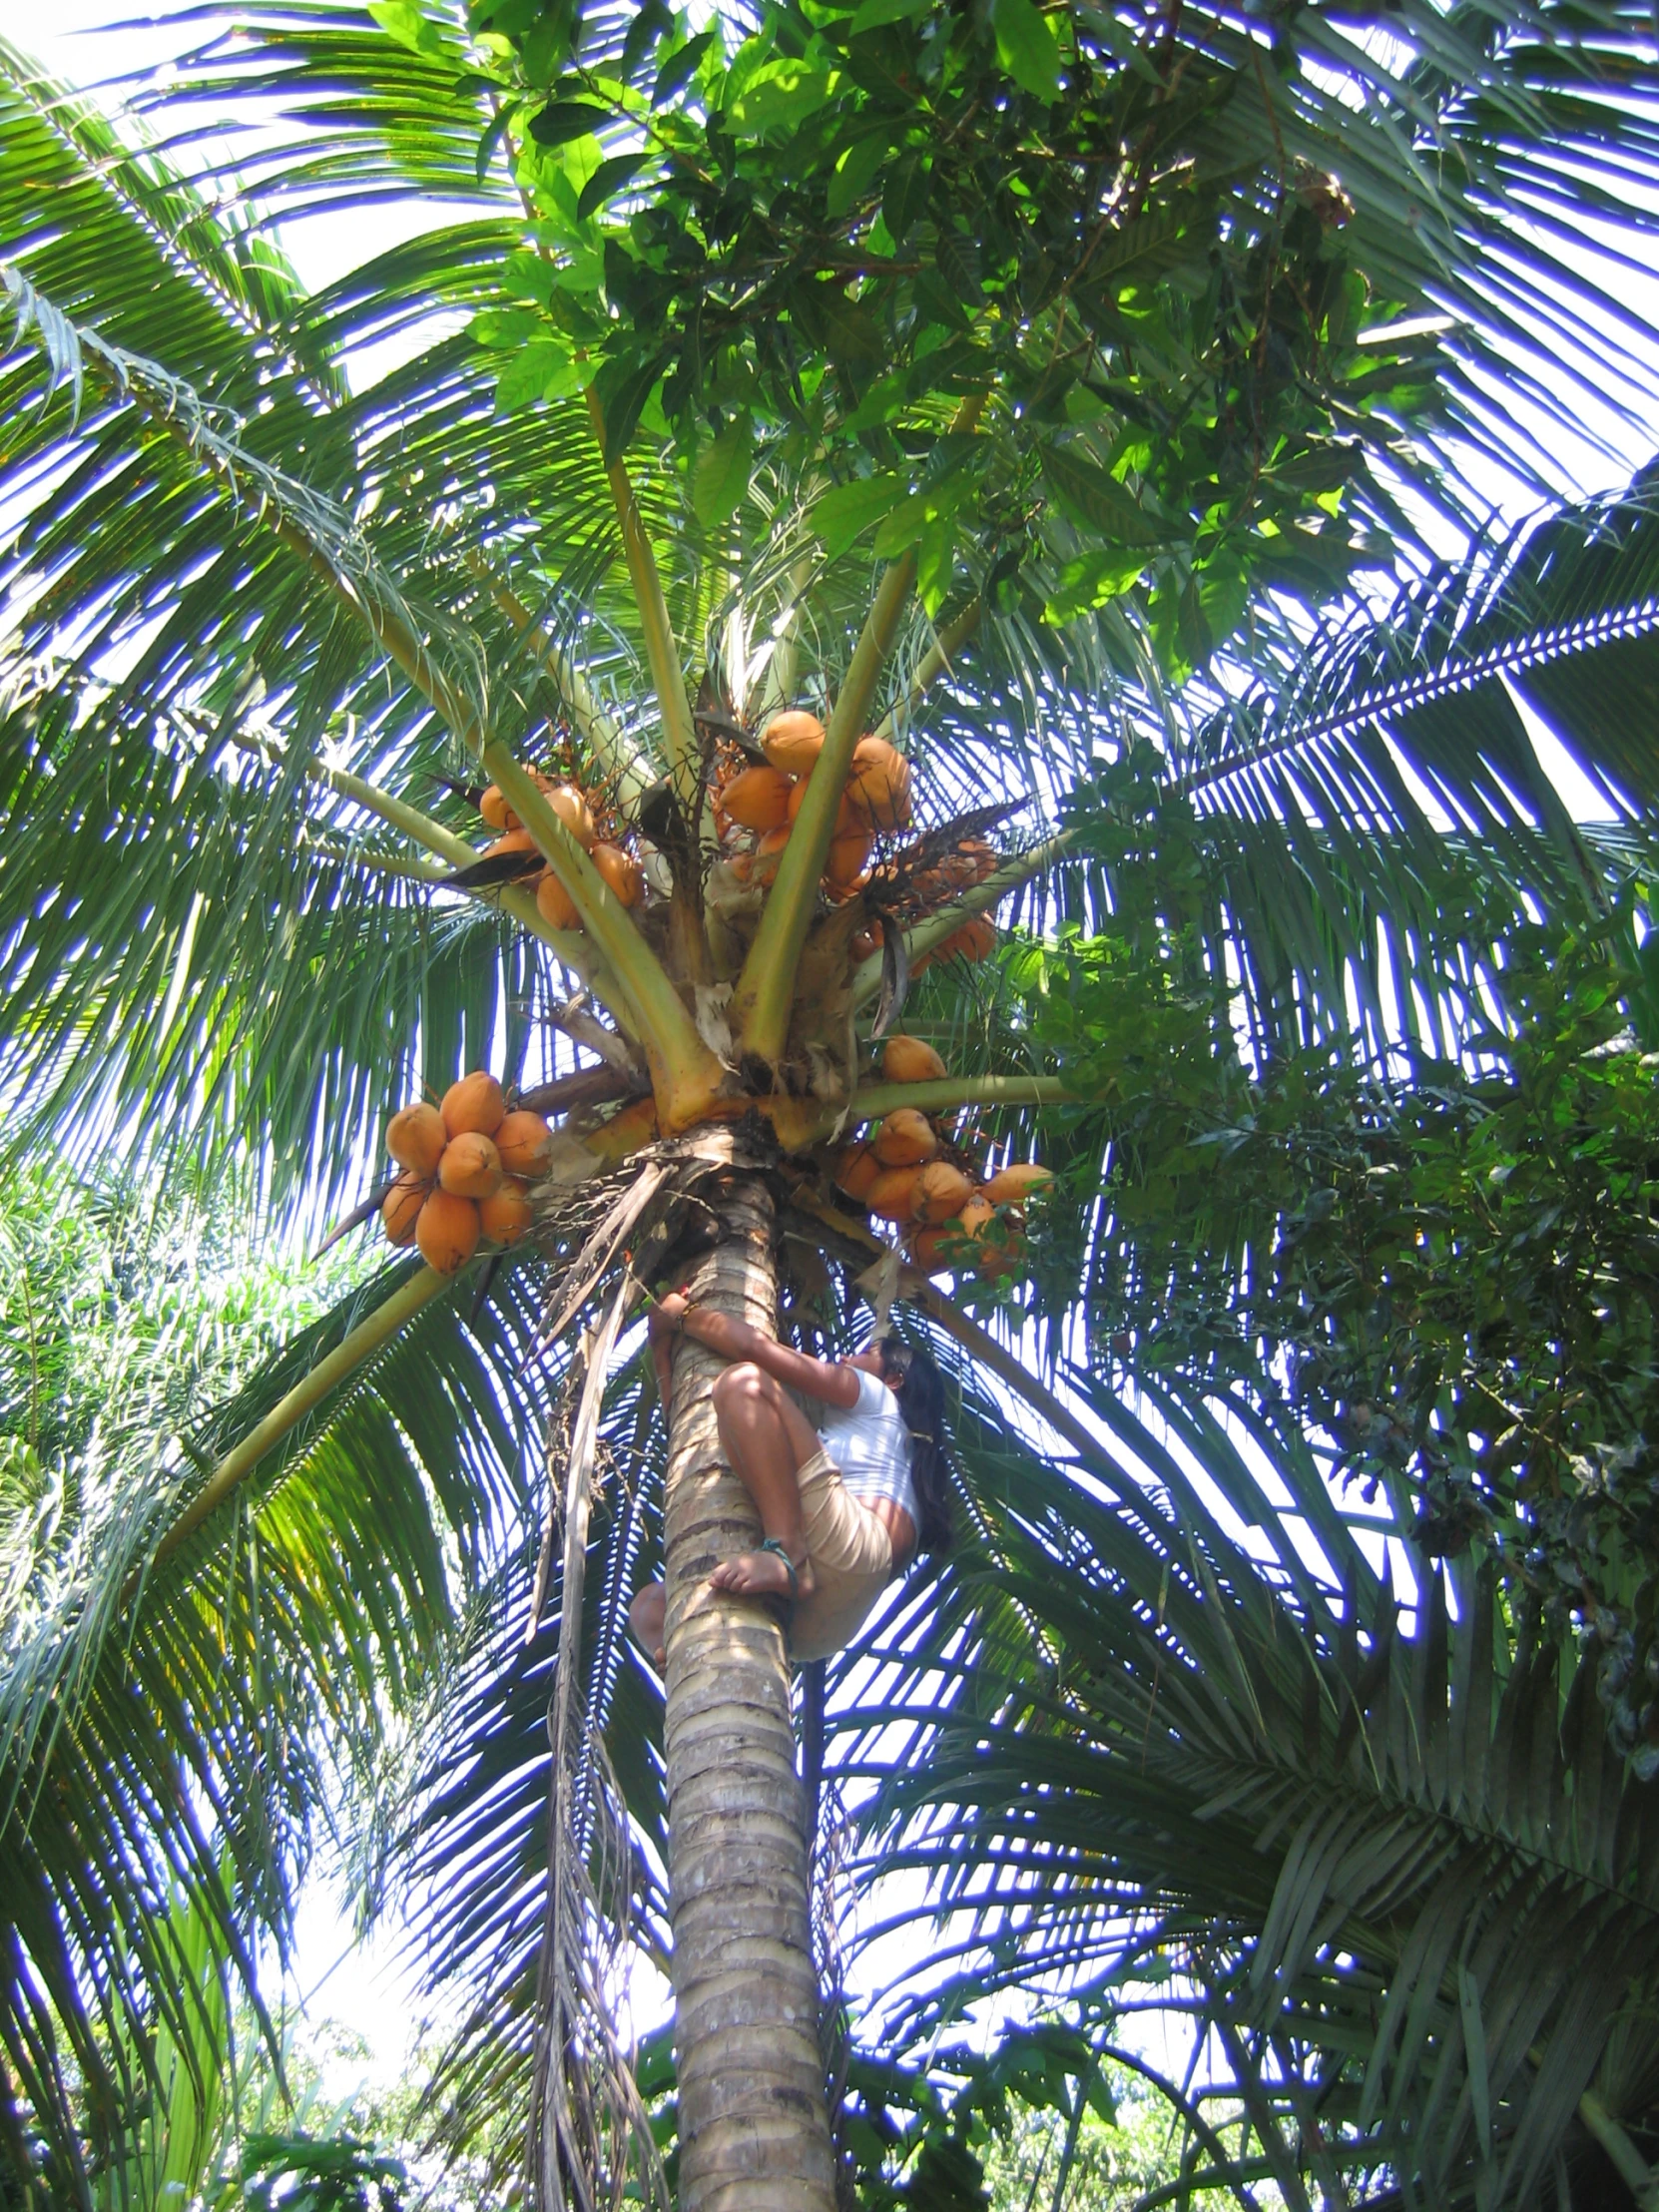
870 1445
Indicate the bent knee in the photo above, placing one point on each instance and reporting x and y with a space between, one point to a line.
646 1612
742 1382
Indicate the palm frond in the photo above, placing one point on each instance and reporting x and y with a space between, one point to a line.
1394 1838
185 1723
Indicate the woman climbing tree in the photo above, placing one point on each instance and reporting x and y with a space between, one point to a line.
843 1508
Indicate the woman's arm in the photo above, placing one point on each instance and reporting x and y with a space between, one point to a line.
826 1379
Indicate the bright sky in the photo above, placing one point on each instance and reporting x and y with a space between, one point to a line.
370 1987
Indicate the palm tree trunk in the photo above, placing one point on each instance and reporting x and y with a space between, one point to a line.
753 2131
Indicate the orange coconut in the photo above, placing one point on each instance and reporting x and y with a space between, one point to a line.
447 1230
855 1170
416 1138
846 861
892 1196
880 784
1015 1184
494 808
927 1246
574 812
401 1208
791 742
975 937
622 871
505 1215
849 823
523 1141
555 904
941 1245
511 841
758 799
908 1060
941 1191
768 854
470 1167
474 1103
905 1139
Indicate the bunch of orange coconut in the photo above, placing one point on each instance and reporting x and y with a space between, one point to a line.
466 1169
574 807
755 807
906 1172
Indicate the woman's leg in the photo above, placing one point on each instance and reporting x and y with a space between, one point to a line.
767 1439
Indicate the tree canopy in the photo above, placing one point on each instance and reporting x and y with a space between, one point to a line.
1081 398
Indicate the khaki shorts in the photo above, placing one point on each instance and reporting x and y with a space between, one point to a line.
852 1555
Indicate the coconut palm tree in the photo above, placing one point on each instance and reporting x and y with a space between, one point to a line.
1032 443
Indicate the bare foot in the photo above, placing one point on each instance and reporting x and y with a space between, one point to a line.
762 1574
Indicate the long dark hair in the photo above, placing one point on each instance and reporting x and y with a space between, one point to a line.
919 1388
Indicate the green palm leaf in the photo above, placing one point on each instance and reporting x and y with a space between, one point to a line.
229 1687
1403 1840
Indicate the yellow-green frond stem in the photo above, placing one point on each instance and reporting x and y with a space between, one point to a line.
684 1072
660 654
935 663
766 990
420 827
338 848
1635 2172
922 936
948 1091
375 1330
571 947
628 769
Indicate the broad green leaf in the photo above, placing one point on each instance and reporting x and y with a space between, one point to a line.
846 511
408 23
886 398
1093 497
608 180
957 256
857 170
935 560
904 193
904 525
529 277
653 22
624 391
563 120
1092 580
720 475
680 68
780 96
1028 47
541 370
1223 583
873 13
